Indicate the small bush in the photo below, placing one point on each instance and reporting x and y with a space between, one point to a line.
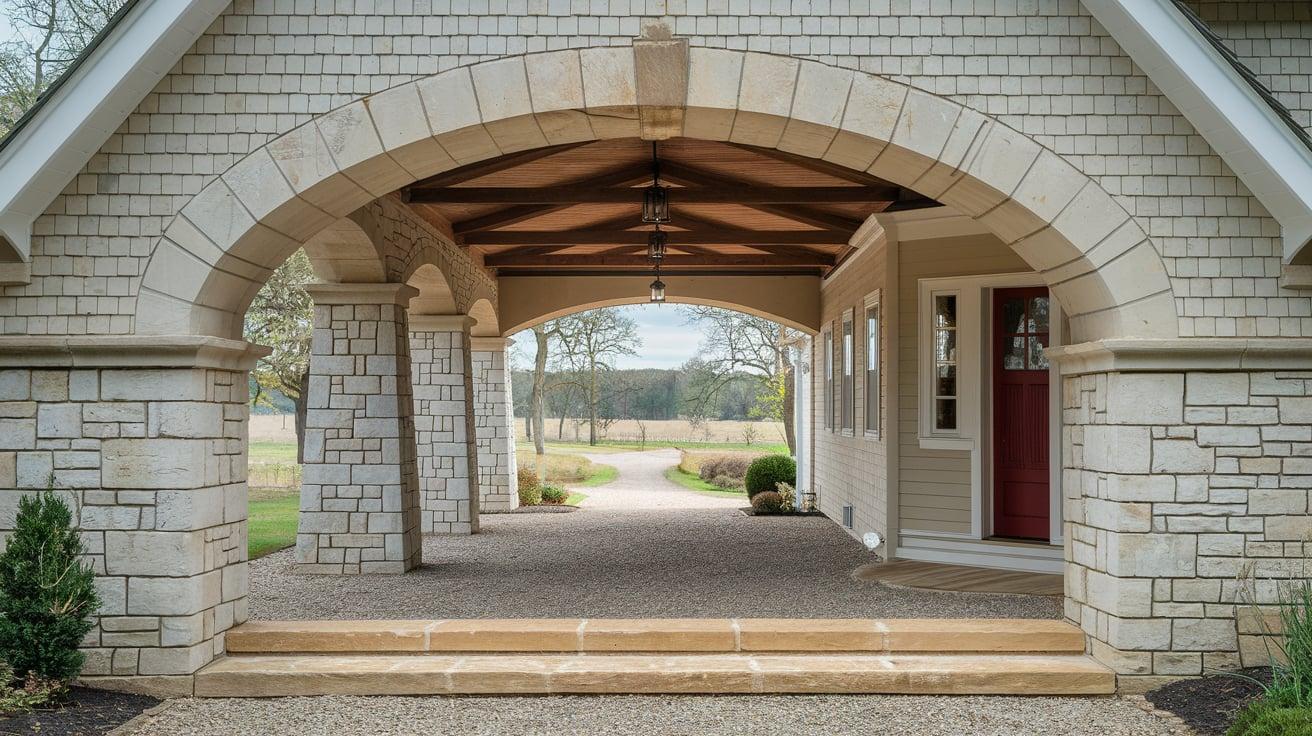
727 483
554 494
767 502
29 694
732 466
1262 718
765 473
530 488
788 494
47 596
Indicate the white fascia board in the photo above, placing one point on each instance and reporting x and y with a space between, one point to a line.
88 107
1235 121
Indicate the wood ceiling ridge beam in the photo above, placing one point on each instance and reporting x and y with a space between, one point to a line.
563 194
488 167
622 176
670 261
639 237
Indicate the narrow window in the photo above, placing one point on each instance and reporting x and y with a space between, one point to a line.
829 378
945 362
873 396
848 408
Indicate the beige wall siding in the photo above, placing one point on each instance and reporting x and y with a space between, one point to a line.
851 469
934 485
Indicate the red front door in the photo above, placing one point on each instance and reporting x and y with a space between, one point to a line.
1020 413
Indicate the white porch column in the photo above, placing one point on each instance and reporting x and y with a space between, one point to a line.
494 424
359 494
446 452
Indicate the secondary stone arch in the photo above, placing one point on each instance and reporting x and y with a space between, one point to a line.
1099 262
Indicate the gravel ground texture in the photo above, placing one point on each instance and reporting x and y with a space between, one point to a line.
831 715
640 546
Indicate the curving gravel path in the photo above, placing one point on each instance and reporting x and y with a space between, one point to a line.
639 547
832 715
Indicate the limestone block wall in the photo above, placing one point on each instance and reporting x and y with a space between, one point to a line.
447 453
1181 484
494 425
360 492
153 462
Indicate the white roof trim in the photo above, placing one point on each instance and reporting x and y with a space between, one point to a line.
1239 125
70 126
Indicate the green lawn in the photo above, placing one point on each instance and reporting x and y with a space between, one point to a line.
574 499
693 483
601 475
282 452
272 524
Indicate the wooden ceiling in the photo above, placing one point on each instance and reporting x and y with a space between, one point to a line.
576 208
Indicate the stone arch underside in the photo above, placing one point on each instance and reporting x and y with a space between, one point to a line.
220 247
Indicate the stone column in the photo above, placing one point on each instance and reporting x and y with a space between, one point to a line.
447 454
1186 481
360 492
494 424
146 439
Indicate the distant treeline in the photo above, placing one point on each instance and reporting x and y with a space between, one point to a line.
646 393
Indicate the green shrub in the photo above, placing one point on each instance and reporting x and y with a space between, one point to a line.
47 596
28 694
1263 718
730 466
768 502
765 473
726 482
530 488
554 494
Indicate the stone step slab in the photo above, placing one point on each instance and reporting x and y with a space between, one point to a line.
542 674
657 635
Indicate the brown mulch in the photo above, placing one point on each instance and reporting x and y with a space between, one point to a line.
87 712
1209 704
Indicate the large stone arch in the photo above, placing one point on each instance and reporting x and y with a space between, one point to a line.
1098 261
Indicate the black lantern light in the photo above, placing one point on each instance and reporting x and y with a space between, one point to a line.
655 198
658 290
656 245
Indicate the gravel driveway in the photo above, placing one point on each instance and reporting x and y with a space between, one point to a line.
797 715
639 547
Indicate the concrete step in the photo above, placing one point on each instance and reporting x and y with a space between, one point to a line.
519 674
658 636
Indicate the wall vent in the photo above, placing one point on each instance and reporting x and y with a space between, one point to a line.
848 513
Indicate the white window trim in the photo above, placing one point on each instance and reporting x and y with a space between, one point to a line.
846 402
827 375
970 351
872 300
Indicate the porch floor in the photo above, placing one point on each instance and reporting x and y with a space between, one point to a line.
641 547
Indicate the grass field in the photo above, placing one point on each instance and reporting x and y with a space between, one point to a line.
272 524
575 498
693 483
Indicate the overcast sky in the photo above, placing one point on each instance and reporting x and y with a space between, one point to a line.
668 341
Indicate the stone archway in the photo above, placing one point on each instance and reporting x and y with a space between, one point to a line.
1096 258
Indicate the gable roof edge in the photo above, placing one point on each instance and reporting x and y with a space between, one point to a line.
71 123
1225 108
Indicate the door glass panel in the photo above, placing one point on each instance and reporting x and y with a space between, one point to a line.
1013 315
945 348
1038 314
1014 357
945 311
945 413
1038 361
946 384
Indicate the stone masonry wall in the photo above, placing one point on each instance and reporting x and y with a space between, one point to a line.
495 429
444 426
1043 67
153 462
1179 487
359 495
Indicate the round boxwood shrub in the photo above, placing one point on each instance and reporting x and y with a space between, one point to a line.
765 472
768 502
554 495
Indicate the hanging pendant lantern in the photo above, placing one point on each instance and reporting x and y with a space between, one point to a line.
656 240
658 291
655 198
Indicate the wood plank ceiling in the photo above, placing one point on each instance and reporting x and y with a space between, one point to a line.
576 208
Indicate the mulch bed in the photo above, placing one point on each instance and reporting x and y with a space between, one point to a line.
88 712
749 511
1209 704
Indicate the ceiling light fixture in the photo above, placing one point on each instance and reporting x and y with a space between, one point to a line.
655 198
658 288
656 240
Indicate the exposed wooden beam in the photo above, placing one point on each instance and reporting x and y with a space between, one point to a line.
817 165
479 169
676 238
671 261
694 176
585 194
624 176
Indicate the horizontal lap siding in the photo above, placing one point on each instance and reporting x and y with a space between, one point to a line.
934 485
851 470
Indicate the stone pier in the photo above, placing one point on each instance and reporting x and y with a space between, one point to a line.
447 454
497 482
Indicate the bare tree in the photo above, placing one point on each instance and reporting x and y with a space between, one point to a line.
50 34
590 341
282 317
736 343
